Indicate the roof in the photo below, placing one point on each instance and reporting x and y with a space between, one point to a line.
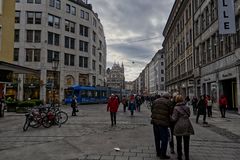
17 69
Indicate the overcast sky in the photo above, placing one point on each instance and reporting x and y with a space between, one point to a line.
133 30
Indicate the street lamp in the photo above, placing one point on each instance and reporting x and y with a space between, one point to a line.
55 63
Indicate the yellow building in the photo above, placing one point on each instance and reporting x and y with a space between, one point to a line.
7 16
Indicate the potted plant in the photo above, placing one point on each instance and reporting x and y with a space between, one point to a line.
11 104
25 105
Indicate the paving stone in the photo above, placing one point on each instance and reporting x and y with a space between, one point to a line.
135 158
121 158
107 157
93 157
143 155
130 154
116 153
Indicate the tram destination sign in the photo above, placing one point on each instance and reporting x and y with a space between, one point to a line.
226 17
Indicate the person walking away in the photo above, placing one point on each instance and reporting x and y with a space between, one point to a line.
112 106
171 141
223 105
74 106
194 105
201 109
183 127
125 103
132 104
209 106
161 112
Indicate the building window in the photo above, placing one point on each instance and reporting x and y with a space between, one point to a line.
83 46
33 55
53 21
52 55
29 1
162 63
69 42
69 59
34 1
84 15
100 57
16 54
17 1
16 35
83 30
69 26
162 71
94 50
55 3
93 64
34 36
17 16
94 36
73 10
100 69
53 38
34 17
68 8
94 22
162 79
83 62
94 80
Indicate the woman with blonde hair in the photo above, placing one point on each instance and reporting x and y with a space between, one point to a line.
183 127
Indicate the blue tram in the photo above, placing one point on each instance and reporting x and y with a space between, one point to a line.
91 94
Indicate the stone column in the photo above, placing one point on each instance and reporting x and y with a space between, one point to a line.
43 77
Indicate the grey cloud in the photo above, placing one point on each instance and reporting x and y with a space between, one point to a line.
129 20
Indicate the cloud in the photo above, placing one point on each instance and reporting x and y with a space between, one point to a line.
133 30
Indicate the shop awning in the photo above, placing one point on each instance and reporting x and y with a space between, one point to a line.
17 69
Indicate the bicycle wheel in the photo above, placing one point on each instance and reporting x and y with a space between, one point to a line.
46 122
26 125
61 117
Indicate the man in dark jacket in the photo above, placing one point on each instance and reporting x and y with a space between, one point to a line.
161 112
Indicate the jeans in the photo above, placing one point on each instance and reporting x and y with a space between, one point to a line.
209 110
204 117
161 139
74 111
113 117
223 111
171 142
186 140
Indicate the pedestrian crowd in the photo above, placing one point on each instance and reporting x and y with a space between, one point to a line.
170 117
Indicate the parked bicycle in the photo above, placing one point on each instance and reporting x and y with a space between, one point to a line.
46 116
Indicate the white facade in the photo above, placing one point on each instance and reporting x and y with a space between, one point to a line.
157 74
66 30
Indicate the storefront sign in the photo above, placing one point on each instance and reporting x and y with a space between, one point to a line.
226 17
227 75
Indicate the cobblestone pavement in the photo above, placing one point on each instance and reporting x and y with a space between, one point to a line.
89 136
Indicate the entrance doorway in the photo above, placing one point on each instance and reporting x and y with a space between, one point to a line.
230 91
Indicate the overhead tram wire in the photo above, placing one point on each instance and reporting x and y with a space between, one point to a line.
139 40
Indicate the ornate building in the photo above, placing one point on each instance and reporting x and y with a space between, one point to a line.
115 76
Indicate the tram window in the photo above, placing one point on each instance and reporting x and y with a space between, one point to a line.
76 93
83 93
104 93
89 93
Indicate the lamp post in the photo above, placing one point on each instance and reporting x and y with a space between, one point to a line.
55 63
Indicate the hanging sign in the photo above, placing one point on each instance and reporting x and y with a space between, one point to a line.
226 17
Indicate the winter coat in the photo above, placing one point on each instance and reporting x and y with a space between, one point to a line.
201 106
112 104
161 112
183 126
223 101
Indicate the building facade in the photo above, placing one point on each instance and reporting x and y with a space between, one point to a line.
48 31
217 56
115 76
157 74
178 48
